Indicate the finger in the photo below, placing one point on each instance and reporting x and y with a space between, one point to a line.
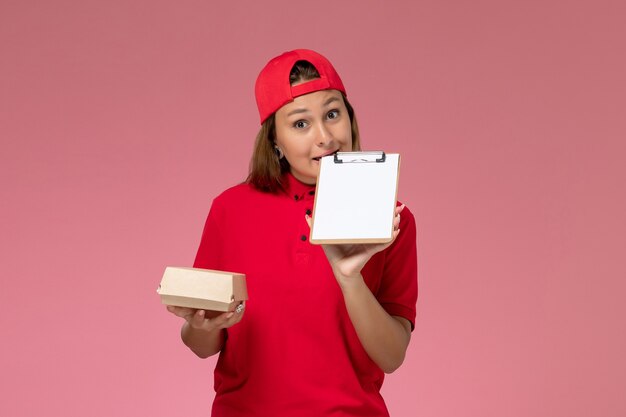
240 308
234 319
180 311
197 320
220 321
309 220
398 218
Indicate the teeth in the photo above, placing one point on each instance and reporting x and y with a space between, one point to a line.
317 158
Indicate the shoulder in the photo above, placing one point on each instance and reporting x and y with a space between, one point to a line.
241 196
237 194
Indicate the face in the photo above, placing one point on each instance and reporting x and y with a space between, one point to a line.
312 126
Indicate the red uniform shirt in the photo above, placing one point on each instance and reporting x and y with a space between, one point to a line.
295 352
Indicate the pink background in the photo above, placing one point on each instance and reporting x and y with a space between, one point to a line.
121 120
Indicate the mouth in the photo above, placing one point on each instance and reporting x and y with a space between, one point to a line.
317 158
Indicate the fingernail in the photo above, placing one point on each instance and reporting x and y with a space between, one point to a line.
201 312
229 315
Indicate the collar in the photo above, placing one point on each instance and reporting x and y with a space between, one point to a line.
296 189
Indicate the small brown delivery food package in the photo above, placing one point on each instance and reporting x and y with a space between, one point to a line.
202 289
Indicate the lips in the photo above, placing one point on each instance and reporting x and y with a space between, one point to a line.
317 158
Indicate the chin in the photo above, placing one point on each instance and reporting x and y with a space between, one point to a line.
307 177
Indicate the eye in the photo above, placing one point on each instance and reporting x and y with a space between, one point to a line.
333 114
300 124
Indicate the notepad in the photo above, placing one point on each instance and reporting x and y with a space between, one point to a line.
355 198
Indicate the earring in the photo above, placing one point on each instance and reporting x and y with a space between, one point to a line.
279 152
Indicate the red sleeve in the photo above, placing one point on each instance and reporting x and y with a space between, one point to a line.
398 291
209 253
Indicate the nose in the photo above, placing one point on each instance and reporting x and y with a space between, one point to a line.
324 136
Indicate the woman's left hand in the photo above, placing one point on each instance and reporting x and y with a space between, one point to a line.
348 260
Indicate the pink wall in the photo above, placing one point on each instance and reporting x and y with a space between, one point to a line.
121 120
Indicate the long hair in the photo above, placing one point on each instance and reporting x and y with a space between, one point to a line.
266 169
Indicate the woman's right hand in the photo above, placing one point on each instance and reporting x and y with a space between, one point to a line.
197 319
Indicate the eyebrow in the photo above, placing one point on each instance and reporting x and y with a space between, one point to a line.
296 111
330 100
303 110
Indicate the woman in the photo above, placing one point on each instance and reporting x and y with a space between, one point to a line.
323 324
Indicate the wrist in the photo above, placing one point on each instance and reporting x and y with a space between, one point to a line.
349 283
190 328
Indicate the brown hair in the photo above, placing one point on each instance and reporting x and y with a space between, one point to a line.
266 170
